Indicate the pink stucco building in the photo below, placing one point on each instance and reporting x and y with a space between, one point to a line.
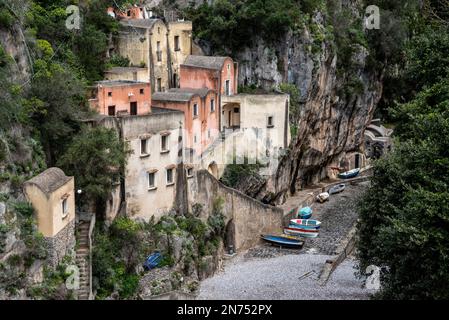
201 114
114 97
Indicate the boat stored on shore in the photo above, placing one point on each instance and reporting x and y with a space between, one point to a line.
337 189
283 241
305 223
305 213
302 232
349 174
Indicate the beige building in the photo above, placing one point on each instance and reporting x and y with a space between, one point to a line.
180 44
151 44
269 112
127 74
149 185
52 195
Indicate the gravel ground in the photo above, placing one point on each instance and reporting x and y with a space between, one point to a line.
337 217
288 277
270 273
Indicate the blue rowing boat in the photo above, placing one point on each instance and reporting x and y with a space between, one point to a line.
152 261
283 241
349 174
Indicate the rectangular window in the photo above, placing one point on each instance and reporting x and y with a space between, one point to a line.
164 143
212 105
195 110
208 133
109 94
133 108
158 51
228 87
151 180
170 178
111 111
65 209
159 85
270 122
195 139
142 91
177 48
143 146
189 172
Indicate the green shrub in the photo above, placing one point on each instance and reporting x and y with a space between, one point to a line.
117 61
6 18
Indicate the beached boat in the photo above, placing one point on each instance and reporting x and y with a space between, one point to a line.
322 197
306 233
152 261
349 174
305 213
305 223
337 189
283 241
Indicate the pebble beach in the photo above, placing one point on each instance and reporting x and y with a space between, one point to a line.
270 273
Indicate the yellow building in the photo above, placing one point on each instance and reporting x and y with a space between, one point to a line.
52 195
161 48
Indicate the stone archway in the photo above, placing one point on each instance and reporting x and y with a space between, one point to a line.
213 169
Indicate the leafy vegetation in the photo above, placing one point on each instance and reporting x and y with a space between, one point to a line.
234 173
230 25
404 215
95 157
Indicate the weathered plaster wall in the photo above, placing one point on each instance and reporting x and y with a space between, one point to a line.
159 69
213 79
141 201
48 209
182 29
254 113
132 74
133 43
121 98
250 217
201 125
199 78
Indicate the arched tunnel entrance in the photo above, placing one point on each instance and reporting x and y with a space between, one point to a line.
229 237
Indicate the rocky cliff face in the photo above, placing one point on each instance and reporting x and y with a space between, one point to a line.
333 112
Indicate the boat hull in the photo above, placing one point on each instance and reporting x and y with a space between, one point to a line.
301 232
283 241
305 223
337 189
305 213
349 174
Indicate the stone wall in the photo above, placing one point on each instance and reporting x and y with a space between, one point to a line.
245 217
61 245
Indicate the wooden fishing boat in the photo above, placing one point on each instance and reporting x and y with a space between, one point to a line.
305 213
337 189
349 174
322 197
283 241
305 223
302 232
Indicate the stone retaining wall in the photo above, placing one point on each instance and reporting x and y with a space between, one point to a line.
245 217
61 244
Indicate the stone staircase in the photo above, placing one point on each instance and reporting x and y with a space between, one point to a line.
82 259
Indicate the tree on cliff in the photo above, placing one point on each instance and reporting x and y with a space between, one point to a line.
95 157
